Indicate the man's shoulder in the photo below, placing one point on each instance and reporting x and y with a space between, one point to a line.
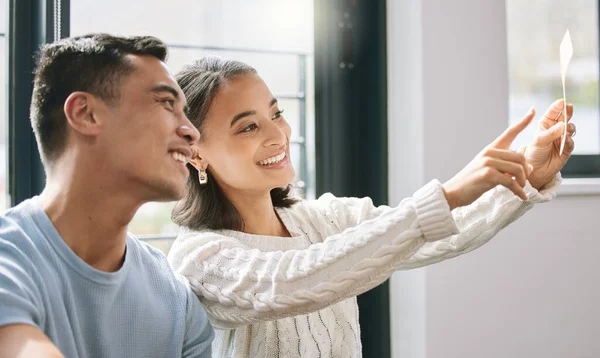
147 254
17 235
153 262
21 275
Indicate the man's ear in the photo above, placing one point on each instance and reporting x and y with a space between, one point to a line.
81 110
197 160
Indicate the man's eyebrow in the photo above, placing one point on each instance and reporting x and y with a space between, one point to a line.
165 88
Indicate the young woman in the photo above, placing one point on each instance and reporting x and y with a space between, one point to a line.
279 275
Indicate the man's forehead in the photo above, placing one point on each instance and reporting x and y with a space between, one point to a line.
152 72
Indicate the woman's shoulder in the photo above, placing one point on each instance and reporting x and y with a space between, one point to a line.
328 203
318 212
199 242
199 234
304 209
322 202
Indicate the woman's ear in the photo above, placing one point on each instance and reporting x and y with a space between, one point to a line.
197 160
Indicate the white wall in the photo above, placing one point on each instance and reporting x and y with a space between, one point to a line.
532 291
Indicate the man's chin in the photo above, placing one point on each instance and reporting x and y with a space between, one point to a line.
164 193
174 194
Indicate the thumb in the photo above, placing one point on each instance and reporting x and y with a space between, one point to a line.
505 139
549 135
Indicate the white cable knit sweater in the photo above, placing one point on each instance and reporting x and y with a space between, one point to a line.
295 297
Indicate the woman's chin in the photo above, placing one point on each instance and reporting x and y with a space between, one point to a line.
284 181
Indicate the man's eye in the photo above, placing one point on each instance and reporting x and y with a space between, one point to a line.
278 114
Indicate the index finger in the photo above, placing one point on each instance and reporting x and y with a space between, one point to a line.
505 139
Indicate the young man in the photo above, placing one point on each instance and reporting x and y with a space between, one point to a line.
112 132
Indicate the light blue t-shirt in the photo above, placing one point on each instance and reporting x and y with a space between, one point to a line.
142 310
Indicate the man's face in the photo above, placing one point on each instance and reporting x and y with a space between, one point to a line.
147 135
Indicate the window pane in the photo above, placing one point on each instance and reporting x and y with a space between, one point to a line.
163 244
535 30
154 218
3 20
275 37
4 202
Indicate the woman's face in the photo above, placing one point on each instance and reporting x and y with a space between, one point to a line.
245 138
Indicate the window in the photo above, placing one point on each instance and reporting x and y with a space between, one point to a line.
4 202
273 36
535 30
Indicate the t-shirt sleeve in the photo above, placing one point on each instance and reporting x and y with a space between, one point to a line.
199 333
19 295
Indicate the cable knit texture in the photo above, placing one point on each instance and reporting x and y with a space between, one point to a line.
296 297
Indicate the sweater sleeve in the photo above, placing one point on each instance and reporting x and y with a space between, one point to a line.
239 285
481 221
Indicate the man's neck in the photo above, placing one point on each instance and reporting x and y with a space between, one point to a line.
91 218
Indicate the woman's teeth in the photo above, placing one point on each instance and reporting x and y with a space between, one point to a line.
179 157
273 160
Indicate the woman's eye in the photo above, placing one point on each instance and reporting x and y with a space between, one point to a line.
249 128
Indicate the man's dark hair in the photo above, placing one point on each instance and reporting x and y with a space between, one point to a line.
94 63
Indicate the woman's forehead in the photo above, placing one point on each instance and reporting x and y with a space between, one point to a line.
245 92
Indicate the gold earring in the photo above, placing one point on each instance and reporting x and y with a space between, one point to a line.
202 176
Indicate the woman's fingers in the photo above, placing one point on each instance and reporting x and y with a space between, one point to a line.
554 113
512 169
569 146
513 186
508 155
505 139
546 137
571 129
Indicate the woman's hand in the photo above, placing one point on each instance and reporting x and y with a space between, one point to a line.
544 151
494 165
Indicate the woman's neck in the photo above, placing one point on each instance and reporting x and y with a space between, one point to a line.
258 215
